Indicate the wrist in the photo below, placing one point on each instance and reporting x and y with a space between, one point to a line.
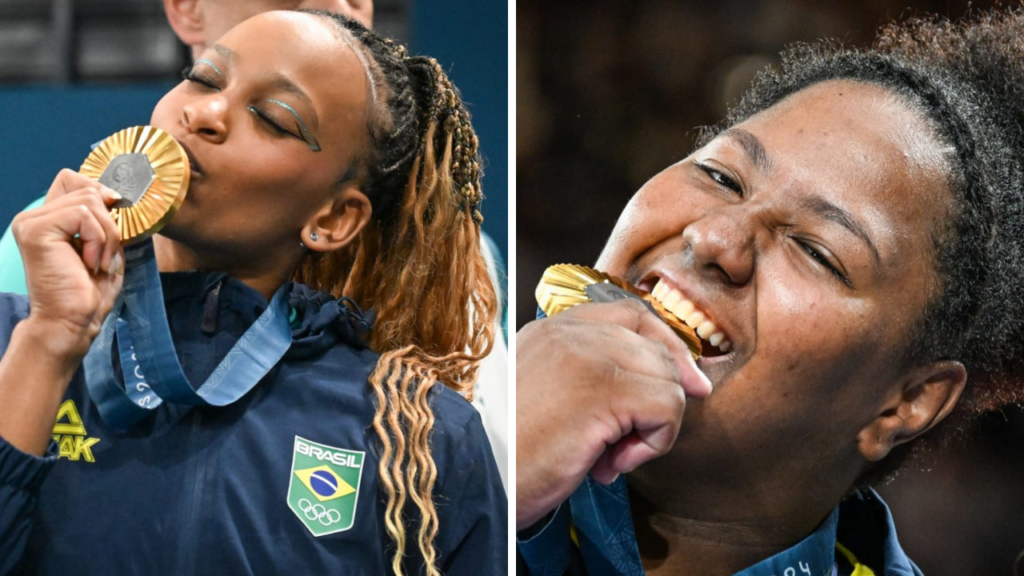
55 339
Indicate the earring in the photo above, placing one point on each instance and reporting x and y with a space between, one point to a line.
313 236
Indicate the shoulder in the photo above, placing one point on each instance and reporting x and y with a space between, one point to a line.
456 420
459 444
471 504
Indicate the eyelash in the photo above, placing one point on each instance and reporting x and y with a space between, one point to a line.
191 76
273 125
824 262
721 179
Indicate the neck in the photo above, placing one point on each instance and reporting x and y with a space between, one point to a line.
672 541
265 275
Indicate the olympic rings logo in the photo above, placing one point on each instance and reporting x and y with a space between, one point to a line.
319 513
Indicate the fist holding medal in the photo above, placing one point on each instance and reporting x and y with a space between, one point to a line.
127 189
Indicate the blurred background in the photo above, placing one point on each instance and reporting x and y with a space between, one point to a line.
609 93
72 72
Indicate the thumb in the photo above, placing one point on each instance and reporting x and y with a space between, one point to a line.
630 452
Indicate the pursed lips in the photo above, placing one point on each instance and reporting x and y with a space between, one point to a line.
194 165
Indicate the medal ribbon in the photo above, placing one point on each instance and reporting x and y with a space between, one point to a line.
149 363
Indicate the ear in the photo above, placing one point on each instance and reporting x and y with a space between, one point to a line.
186 19
339 222
928 396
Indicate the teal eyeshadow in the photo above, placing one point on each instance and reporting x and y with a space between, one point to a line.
302 125
210 64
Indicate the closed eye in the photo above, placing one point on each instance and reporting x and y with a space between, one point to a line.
817 257
192 76
266 119
720 178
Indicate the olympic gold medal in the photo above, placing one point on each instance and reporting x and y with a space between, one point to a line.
150 170
566 285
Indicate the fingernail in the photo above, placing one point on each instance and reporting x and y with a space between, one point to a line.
113 193
116 264
700 374
711 385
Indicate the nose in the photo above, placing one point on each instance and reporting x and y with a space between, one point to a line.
722 245
207 118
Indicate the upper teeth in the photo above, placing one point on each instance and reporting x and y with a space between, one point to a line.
674 301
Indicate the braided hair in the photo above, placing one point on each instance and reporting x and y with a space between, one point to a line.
418 265
966 80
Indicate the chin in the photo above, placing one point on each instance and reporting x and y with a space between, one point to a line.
178 229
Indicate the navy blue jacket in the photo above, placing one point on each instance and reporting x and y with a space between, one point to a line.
592 534
202 490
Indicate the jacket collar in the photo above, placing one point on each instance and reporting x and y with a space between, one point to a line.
862 523
318 320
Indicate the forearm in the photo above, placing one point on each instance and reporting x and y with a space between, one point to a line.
34 375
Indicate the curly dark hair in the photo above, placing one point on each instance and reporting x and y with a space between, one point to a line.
966 79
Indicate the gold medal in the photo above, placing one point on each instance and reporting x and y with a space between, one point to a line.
150 170
566 285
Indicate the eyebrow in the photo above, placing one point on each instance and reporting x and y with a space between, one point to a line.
752 146
279 82
282 83
224 51
833 213
820 206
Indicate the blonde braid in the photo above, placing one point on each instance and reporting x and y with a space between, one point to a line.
419 266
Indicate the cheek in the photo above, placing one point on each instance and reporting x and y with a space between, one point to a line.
814 371
657 212
167 111
274 178
809 332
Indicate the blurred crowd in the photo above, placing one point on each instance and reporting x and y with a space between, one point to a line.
610 93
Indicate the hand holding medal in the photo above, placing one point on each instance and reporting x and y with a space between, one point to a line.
566 285
625 372
150 170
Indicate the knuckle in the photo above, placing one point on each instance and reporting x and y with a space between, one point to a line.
662 350
537 330
677 401
635 307
612 373
18 225
619 334
96 204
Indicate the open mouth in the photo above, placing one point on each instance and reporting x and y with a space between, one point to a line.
714 341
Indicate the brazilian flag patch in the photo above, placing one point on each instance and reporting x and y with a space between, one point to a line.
324 486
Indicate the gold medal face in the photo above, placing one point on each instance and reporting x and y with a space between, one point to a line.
565 285
150 170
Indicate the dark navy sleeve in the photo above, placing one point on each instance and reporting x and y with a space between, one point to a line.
21 474
546 549
472 506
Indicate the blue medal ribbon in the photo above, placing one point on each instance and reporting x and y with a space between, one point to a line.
149 363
